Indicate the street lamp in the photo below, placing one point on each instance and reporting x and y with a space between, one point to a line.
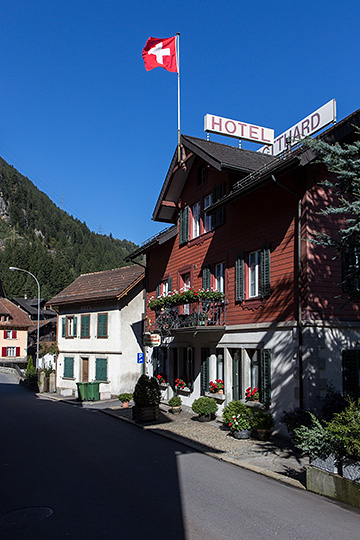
38 316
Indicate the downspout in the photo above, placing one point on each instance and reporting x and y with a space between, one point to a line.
298 311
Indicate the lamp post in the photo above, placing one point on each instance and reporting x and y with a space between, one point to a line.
38 314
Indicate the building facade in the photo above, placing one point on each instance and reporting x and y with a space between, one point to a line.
241 225
100 331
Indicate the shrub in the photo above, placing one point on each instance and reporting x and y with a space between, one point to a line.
333 402
175 401
204 405
239 423
125 397
262 420
147 391
295 418
344 431
313 441
234 408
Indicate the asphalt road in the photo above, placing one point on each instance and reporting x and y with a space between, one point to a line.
72 472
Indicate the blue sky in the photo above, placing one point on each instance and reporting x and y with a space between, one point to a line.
83 119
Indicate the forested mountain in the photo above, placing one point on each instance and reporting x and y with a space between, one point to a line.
39 237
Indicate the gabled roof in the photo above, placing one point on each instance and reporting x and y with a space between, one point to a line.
30 305
17 317
105 285
217 155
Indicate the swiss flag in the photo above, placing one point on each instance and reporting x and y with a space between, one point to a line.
160 53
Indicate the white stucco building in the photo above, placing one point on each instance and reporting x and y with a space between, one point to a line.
100 331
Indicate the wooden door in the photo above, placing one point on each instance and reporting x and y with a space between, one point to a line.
85 369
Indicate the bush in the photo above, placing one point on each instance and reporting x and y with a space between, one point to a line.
313 441
262 420
204 406
296 418
239 423
234 408
333 402
125 397
344 432
175 401
147 392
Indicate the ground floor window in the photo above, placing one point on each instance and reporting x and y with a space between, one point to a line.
251 367
101 369
183 362
159 358
351 373
68 367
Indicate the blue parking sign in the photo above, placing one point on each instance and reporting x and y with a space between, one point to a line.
140 357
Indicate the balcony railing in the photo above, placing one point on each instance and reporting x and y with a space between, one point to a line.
203 313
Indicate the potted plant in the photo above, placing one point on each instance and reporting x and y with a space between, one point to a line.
233 409
146 397
175 404
125 398
180 384
216 387
240 426
261 424
204 407
160 379
252 394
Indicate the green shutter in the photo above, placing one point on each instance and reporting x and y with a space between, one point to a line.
75 327
204 373
239 279
206 278
265 272
85 326
265 377
101 369
184 226
190 365
63 327
170 285
102 324
158 288
68 367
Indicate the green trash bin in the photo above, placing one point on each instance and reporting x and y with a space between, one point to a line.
82 391
93 391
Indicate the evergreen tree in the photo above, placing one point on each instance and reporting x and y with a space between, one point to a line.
344 161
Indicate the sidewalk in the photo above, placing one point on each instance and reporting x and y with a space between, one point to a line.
275 458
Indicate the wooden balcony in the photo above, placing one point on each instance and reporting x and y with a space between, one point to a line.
208 314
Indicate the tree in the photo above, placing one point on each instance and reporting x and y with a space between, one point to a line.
344 161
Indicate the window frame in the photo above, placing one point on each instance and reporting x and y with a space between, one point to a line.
195 220
254 274
219 278
101 326
207 220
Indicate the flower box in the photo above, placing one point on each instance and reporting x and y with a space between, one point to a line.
215 395
184 391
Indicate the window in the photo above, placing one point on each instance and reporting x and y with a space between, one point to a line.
68 367
69 326
185 282
195 211
220 277
252 280
10 334
101 369
102 327
351 373
218 217
220 364
184 364
85 326
254 274
184 226
207 218
164 288
351 270
159 357
10 351
260 375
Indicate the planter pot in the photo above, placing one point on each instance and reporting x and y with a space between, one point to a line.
204 417
262 434
243 434
176 410
125 404
146 414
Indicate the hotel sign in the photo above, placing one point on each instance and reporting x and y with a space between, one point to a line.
151 340
306 127
237 129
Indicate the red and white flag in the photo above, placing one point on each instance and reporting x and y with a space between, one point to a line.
160 53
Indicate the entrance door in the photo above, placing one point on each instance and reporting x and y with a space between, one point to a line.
236 374
85 370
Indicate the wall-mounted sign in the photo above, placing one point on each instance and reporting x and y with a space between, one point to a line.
140 357
151 340
306 127
237 129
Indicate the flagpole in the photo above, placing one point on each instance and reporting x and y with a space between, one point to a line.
178 66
